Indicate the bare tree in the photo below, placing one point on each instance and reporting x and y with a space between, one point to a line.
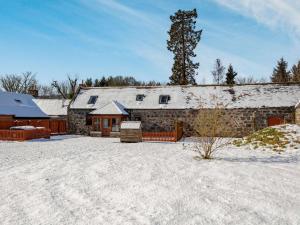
250 80
208 126
46 90
18 83
218 72
28 82
66 89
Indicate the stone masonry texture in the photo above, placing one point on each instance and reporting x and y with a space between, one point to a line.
236 122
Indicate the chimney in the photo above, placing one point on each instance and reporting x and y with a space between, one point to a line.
33 91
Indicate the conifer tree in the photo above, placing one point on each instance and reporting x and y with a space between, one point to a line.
230 75
89 82
97 83
103 82
296 72
281 74
183 39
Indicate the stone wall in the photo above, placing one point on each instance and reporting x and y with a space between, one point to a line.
77 121
235 122
297 115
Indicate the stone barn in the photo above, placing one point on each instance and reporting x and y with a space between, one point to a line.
246 107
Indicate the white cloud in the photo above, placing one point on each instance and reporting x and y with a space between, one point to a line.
283 14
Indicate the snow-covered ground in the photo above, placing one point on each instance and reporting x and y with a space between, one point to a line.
84 180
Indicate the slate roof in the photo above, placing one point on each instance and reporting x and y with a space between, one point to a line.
192 97
19 105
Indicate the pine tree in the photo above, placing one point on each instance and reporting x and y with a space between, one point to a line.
218 72
296 72
230 75
89 82
97 83
281 73
183 39
103 82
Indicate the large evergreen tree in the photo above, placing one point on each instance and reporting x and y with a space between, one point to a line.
183 39
281 74
230 75
296 72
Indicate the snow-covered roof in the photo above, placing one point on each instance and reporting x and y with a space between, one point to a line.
183 97
19 105
131 125
53 107
112 108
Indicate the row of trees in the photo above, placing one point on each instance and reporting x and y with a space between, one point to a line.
111 81
23 83
26 82
281 74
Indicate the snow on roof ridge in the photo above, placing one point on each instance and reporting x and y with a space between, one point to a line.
118 106
189 85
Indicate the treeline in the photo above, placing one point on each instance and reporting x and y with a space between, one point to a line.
26 83
111 81
281 74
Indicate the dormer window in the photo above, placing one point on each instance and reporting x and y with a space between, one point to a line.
92 100
18 101
164 99
140 98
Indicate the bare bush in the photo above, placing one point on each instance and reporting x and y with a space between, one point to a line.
207 125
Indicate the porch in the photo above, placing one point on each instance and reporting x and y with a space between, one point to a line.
106 121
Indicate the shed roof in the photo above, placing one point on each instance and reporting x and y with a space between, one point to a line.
53 107
192 97
131 125
19 105
112 108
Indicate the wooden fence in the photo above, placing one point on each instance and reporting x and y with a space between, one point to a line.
23 135
57 126
171 136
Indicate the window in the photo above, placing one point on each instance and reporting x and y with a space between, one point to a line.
18 101
97 122
105 123
115 124
92 99
140 98
163 99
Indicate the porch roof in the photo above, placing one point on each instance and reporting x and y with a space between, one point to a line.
112 108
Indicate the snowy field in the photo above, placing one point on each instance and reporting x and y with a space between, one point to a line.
83 180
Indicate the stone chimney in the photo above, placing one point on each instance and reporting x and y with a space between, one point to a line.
34 92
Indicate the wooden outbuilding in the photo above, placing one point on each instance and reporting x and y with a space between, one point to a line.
131 131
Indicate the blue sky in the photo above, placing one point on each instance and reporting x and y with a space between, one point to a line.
93 38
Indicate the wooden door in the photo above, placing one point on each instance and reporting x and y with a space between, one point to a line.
275 120
106 127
